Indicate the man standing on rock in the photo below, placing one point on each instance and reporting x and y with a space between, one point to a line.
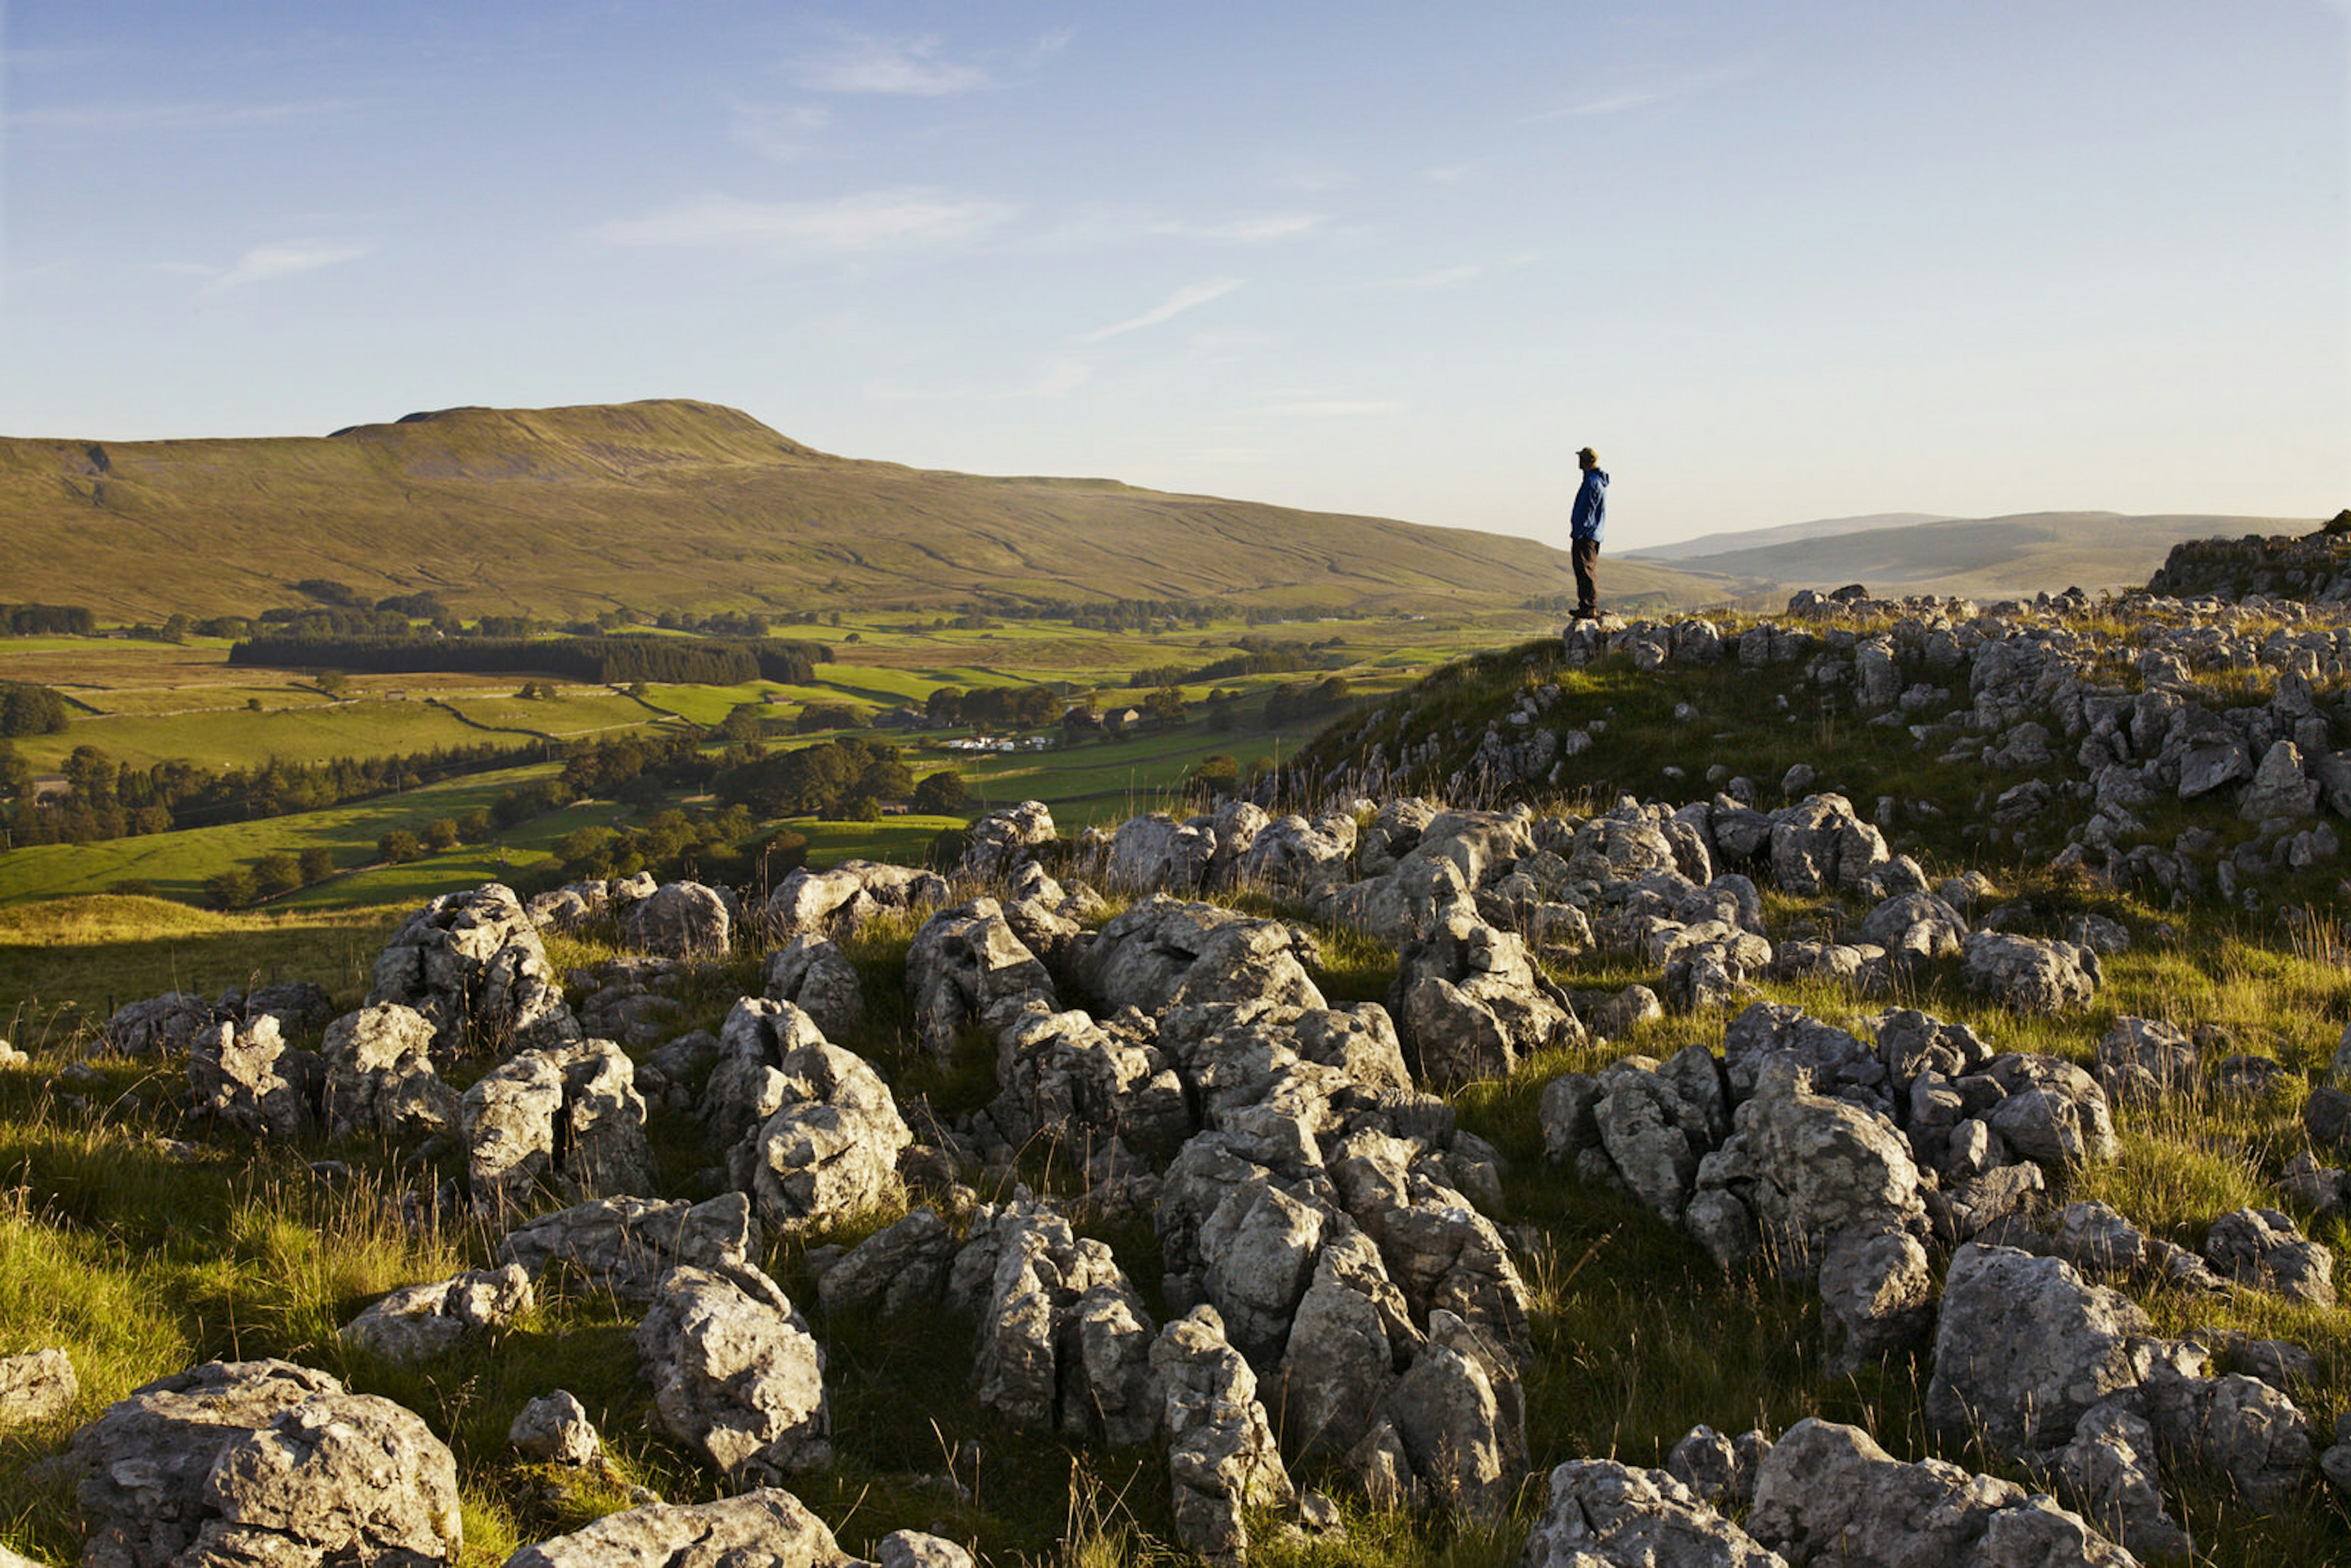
1587 526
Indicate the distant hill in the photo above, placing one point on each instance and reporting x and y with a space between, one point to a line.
671 504
1982 558
1785 533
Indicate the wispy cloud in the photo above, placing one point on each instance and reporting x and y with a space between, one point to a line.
1642 94
911 218
1191 297
1328 408
112 118
265 263
1449 276
917 67
1257 230
784 132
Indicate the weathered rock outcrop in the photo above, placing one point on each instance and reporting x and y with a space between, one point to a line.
568 1115
263 1461
735 1374
472 965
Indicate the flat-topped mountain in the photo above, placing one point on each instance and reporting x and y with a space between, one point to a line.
676 504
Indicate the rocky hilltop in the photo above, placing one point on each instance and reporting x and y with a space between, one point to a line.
2313 567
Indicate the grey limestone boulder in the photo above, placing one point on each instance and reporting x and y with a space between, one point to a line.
2141 1060
625 1245
472 965
37 1386
1292 855
836 901
766 1527
1161 953
1916 924
1604 1514
555 1429
2025 1348
1157 853
830 1149
263 1461
1064 1340
1820 845
2028 976
1470 1003
419 1322
1074 1084
1721 1470
747 1086
568 1115
735 1374
968 968
999 843
814 975
2111 1468
2280 786
378 1075
1460 1415
157 1024
682 920
1878 1291
248 1078
1808 1167
900 1269
2263 1248
1827 1494
1221 1454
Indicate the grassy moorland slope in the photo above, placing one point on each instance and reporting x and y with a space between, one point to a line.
675 504
1981 558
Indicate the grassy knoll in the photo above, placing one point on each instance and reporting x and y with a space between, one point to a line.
68 960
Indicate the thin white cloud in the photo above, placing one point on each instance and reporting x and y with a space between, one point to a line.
1245 231
871 221
107 119
914 68
1329 408
1641 94
264 263
784 132
1449 276
1191 297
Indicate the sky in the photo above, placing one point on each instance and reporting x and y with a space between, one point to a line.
1774 262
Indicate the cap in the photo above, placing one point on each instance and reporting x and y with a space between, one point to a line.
1587 455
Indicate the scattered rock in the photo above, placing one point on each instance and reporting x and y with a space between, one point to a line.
554 1429
419 1322
735 1374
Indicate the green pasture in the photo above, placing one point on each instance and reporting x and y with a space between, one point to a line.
178 863
571 712
237 738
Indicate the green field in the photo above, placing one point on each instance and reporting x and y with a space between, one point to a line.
177 864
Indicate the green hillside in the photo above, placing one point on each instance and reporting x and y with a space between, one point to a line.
680 505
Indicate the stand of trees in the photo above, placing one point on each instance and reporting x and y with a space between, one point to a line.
845 778
47 621
609 661
28 709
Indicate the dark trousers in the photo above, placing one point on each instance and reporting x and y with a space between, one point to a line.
1585 553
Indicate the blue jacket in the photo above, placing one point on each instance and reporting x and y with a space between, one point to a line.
1590 518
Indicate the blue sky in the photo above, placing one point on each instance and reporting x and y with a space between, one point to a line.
1776 262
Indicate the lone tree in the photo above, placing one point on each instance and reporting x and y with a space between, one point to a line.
398 847
941 794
